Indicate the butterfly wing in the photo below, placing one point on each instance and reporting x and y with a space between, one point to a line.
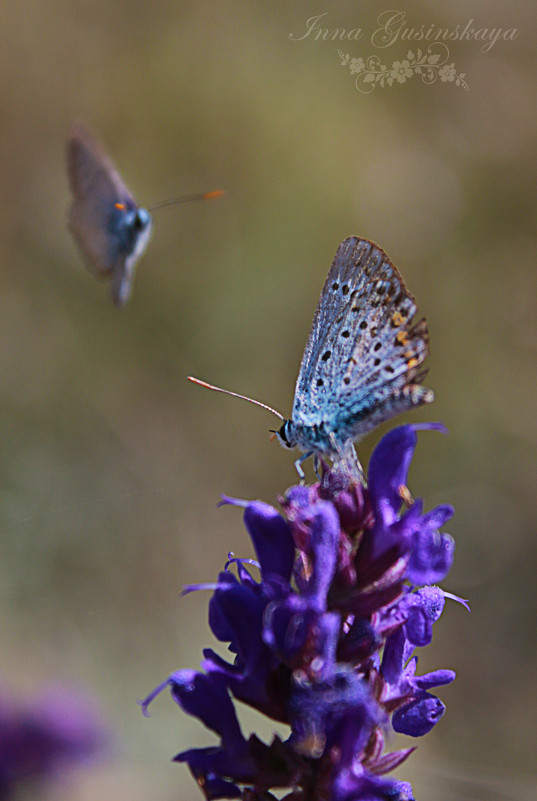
94 219
362 360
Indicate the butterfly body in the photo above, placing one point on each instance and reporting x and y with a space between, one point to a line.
130 231
109 227
362 361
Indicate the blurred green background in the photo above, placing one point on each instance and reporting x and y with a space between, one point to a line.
112 463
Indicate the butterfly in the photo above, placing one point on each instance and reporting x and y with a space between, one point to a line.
110 228
362 364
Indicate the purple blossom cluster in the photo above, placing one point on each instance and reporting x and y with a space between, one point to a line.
324 639
42 738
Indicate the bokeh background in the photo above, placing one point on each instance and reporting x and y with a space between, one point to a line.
112 463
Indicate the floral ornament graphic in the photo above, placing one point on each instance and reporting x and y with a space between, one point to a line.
430 65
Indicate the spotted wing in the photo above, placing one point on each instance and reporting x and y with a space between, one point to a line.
362 360
94 220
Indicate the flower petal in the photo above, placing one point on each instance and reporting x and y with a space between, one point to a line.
388 470
418 717
272 540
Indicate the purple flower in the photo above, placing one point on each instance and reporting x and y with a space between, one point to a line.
43 737
323 639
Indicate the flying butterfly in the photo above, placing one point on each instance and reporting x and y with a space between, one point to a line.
110 228
362 363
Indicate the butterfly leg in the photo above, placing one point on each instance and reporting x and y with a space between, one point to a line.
353 460
347 456
298 465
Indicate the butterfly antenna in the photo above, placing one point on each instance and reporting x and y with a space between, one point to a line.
186 199
235 395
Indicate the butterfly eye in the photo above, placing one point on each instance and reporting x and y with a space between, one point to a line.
282 434
141 220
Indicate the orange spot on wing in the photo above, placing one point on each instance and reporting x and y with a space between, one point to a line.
120 206
397 318
412 363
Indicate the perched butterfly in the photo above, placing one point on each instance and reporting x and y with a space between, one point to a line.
362 361
110 228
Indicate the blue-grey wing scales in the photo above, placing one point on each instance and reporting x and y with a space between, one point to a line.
362 360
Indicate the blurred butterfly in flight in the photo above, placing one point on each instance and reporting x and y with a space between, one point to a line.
110 228
362 361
